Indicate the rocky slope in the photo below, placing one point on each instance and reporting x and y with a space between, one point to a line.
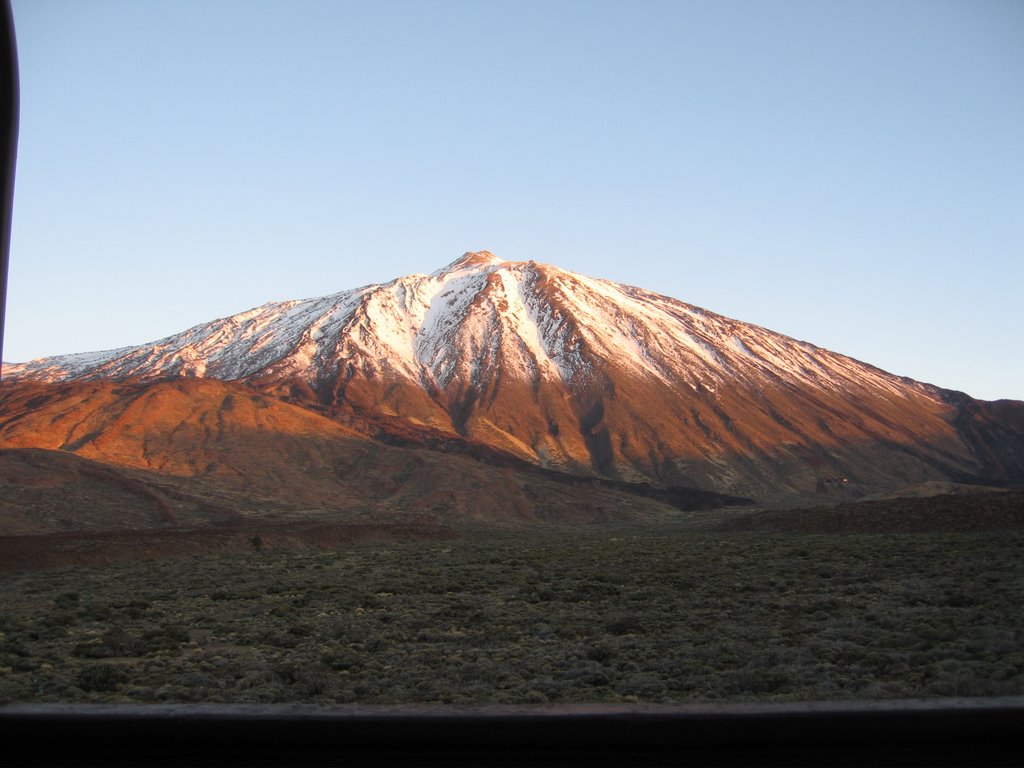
107 455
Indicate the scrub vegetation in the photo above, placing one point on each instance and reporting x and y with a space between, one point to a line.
603 615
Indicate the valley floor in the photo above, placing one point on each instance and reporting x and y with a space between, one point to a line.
597 615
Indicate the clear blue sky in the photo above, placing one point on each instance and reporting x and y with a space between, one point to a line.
848 173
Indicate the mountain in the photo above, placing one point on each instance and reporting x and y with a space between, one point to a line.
521 363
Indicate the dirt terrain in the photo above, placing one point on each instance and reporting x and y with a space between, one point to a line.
959 512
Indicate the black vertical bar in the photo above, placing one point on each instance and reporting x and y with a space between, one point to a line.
9 129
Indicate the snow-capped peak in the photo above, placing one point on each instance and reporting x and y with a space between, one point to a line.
477 317
469 261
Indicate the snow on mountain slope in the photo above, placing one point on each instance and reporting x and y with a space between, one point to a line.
578 374
539 321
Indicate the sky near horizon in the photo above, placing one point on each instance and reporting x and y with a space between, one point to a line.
849 173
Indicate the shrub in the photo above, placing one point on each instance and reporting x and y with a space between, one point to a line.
115 642
57 619
66 600
624 624
167 638
301 629
602 652
100 677
340 658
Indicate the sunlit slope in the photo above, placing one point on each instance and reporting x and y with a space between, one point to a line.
198 451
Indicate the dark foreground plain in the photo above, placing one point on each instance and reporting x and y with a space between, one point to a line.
607 614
